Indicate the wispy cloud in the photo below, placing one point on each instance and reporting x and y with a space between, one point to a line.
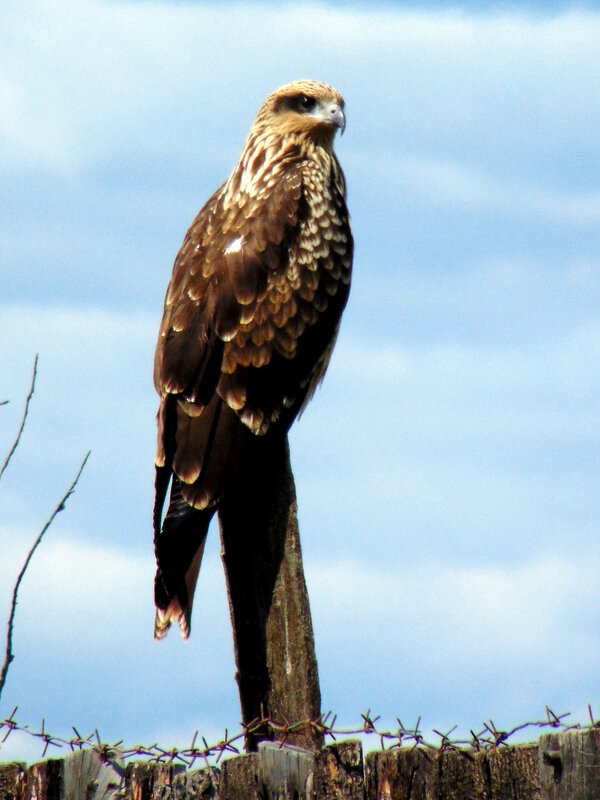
455 185
433 634
466 612
446 469
437 624
486 78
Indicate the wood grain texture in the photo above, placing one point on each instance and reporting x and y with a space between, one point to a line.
198 784
513 772
339 772
293 773
274 645
416 774
570 765
87 776
10 775
285 772
239 778
563 766
43 781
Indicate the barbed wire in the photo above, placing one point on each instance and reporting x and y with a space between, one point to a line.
488 738
264 727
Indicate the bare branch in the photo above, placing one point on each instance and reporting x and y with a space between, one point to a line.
9 657
23 419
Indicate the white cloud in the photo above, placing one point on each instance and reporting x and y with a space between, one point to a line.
75 592
159 67
20 746
538 389
456 446
89 395
446 470
456 645
448 183
83 632
472 617
461 626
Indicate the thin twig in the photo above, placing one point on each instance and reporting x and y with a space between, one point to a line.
24 418
9 657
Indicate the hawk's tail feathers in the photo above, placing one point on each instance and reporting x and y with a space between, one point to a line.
179 548
165 617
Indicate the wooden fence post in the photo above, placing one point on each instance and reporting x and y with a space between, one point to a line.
570 765
43 781
274 773
561 766
10 777
273 638
509 773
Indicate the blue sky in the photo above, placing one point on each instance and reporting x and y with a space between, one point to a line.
447 471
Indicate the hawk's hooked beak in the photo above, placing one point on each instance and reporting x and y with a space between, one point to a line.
336 116
332 114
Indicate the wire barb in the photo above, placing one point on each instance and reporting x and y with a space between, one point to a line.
490 738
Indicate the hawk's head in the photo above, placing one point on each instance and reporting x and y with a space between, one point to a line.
306 108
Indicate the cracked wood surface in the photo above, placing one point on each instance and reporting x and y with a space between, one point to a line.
273 636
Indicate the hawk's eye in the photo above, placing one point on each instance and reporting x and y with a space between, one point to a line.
306 104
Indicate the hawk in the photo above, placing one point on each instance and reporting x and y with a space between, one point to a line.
250 319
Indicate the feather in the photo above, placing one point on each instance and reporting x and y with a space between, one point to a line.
250 318
179 550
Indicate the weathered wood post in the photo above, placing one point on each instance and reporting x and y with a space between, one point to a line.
560 766
273 637
509 773
570 765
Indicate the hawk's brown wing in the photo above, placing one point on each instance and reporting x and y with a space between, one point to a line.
220 277
250 319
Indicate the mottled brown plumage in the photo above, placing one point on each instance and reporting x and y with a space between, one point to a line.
250 319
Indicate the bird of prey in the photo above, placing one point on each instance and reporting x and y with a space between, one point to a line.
250 319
